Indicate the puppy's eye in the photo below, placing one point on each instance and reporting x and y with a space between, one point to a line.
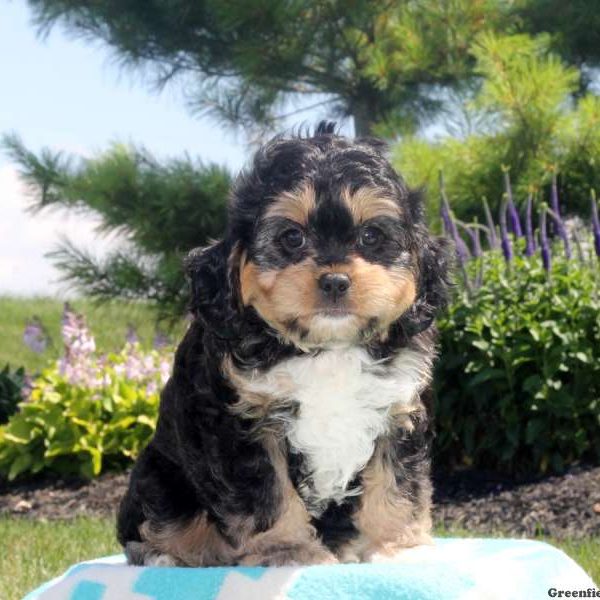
370 237
292 239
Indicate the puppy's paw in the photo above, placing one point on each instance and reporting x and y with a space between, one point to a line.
290 556
392 552
140 554
387 556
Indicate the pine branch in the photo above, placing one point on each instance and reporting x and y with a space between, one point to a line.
119 275
45 176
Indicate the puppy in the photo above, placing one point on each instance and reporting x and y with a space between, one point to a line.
295 428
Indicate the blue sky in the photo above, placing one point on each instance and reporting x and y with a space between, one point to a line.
69 95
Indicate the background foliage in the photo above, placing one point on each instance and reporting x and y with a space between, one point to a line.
522 118
88 411
74 428
161 211
506 87
518 380
379 62
109 321
11 384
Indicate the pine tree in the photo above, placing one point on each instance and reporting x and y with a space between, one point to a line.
379 62
161 210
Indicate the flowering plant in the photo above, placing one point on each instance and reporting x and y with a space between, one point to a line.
518 378
511 232
87 412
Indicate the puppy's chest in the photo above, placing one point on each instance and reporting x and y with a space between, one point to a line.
343 402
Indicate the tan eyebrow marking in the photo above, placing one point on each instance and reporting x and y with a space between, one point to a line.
368 202
295 205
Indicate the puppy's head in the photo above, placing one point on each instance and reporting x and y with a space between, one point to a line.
325 243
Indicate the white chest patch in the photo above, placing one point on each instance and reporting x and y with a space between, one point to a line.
344 399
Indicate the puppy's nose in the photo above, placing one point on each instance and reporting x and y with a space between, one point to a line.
334 285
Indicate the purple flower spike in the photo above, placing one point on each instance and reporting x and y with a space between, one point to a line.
473 233
161 340
560 226
515 222
34 336
504 239
476 242
530 246
131 337
544 246
595 225
491 232
462 250
446 218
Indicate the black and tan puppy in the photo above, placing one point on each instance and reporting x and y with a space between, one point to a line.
295 426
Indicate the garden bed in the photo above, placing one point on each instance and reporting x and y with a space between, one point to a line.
565 506
561 506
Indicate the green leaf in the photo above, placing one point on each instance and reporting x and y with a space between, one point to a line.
485 375
19 465
146 420
96 461
481 344
19 430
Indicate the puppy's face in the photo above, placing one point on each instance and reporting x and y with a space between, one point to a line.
330 264
328 246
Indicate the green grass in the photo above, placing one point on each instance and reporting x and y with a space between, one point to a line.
35 551
108 323
585 552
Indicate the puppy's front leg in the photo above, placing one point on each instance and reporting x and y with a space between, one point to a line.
395 507
251 514
292 540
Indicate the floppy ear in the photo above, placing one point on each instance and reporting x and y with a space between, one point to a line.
432 293
214 279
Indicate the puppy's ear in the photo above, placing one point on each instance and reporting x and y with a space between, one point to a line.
214 279
433 284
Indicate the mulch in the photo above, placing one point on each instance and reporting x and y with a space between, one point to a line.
562 506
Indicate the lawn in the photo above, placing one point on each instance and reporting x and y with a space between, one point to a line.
35 551
40 550
108 323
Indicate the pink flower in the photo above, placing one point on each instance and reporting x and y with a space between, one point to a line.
35 336
76 336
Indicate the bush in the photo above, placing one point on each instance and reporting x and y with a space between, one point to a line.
71 428
75 429
518 381
86 413
11 384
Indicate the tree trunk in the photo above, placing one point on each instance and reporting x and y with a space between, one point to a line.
363 122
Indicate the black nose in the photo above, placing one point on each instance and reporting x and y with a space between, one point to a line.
334 285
